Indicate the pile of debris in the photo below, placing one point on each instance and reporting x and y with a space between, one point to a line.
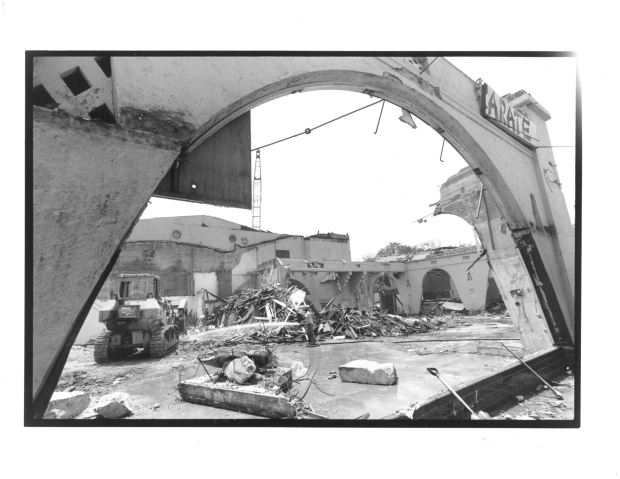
335 321
274 303
278 310
442 306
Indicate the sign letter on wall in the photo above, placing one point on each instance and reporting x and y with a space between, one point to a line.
494 108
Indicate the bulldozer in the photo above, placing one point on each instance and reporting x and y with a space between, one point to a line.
139 318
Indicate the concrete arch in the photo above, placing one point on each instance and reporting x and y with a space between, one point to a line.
375 277
388 88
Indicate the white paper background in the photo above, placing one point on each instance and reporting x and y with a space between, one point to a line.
588 28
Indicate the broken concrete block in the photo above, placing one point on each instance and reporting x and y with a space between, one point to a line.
368 372
114 406
453 306
71 403
240 370
249 399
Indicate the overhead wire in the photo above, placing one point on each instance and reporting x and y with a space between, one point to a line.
307 131
380 115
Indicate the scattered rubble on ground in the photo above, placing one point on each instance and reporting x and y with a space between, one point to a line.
243 358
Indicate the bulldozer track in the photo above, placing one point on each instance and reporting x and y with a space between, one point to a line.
158 347
101 347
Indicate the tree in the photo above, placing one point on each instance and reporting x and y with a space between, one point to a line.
394 248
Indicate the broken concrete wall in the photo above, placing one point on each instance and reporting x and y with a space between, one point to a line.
323 249
214 235
462 196
176 264
349 289
352 284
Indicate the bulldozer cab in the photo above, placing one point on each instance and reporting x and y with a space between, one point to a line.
138 286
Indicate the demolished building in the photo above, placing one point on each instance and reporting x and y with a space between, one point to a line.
207 257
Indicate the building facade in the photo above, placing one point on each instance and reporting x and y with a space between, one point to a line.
194 255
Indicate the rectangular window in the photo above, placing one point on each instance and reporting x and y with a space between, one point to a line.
283 253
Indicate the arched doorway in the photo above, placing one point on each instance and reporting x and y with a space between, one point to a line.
385 294
438 285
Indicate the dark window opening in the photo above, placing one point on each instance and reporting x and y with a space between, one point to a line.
283 253
76 81
124 289
437 285
105 64
41 97
103 113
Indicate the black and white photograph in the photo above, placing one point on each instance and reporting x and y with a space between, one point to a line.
348 239
236 238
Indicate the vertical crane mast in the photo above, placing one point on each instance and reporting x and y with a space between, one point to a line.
257 189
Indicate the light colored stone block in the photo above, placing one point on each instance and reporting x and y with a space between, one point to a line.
368 372
71 404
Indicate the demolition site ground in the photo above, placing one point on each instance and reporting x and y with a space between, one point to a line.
463 349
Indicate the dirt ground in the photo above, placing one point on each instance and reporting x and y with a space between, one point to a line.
465 348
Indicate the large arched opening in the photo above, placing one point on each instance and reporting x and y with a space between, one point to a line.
383 87
437 285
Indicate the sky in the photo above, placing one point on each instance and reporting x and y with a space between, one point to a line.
344 178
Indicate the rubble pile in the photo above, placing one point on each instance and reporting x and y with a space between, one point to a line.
274 303
351 323
279 304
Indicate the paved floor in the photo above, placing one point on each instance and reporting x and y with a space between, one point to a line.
461 354
415 384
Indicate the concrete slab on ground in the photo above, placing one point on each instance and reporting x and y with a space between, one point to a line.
152 383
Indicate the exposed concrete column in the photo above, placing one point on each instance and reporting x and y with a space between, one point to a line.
91 181
556 238
461 195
